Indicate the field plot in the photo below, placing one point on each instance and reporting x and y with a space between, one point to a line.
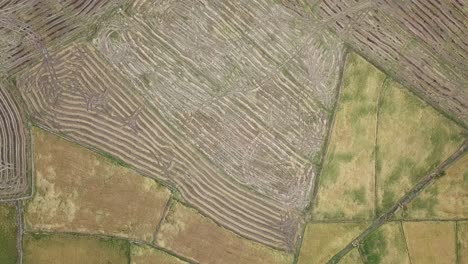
353 257
229 102
148 255
8 233
386 245
15 175
431 242
462 243
412 139
193 236
71 249
322 241
420 42
80 191
346 189
447 198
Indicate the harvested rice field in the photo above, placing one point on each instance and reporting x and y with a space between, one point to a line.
187 233
431 242
322 241
80 191
148 255
73 249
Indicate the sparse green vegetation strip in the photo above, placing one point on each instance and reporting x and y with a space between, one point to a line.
8 233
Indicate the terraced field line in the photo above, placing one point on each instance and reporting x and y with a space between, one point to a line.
402 230
104 236
19 236
405 200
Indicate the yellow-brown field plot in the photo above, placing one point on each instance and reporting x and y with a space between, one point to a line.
462 243
446 198
412 139
141 254
323 241
431 242
347 184
8 232
352 257
189 234
386 245
80 191
72 249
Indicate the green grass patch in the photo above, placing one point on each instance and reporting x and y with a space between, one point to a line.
374 247
332 166
427 204
358 195
114 160
8 232
388 201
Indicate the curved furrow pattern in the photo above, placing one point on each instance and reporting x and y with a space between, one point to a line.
123 125
14 150
255 103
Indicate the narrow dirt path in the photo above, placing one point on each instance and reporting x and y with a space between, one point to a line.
405 200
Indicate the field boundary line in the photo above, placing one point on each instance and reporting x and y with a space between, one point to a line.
403 234
457 250
19 235
338 221
430 220
380 98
